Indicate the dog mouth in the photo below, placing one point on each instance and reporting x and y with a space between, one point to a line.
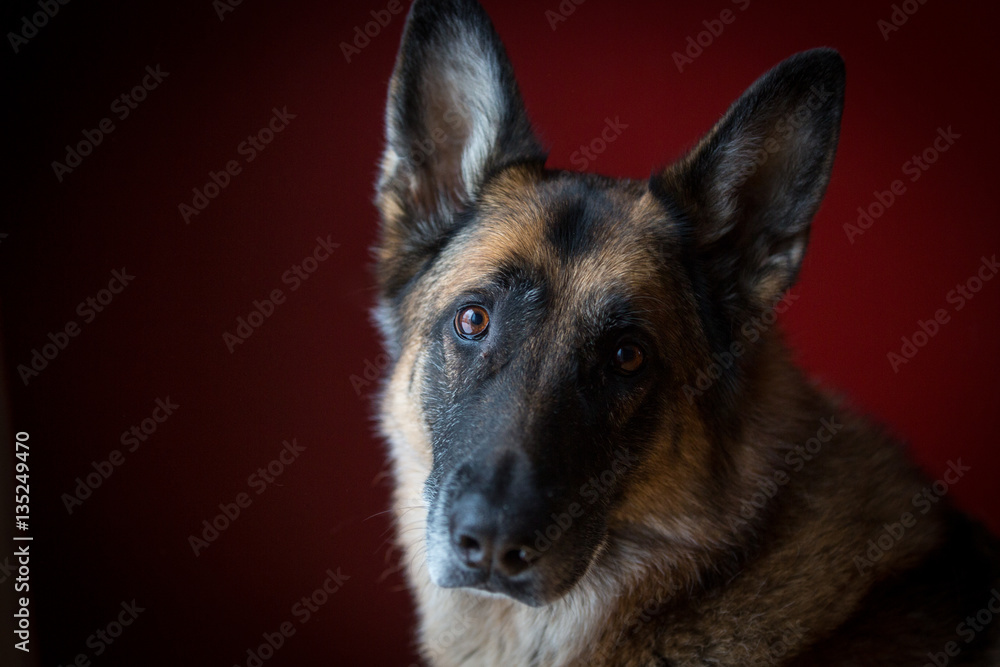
531 587
525 588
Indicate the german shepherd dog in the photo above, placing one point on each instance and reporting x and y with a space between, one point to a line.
602 453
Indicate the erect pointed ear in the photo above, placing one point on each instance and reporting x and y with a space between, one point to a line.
453 117
748 191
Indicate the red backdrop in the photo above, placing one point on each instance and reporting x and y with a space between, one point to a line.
213 82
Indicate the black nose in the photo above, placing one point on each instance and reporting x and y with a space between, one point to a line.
484 538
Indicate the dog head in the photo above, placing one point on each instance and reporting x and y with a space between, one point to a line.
548 328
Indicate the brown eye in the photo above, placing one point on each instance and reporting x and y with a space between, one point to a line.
472 322
629 358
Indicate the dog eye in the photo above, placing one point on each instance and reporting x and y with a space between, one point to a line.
471 322
629 358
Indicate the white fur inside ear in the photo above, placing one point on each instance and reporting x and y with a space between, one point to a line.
470 79
734 167
451 99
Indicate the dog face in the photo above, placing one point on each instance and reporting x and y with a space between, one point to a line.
548 327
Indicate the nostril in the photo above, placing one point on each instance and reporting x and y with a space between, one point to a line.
470 549
517 560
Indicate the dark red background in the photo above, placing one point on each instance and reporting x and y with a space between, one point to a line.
163 335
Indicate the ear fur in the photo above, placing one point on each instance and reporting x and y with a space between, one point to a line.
454 117
749 190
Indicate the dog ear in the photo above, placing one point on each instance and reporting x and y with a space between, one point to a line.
747 192
454 116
